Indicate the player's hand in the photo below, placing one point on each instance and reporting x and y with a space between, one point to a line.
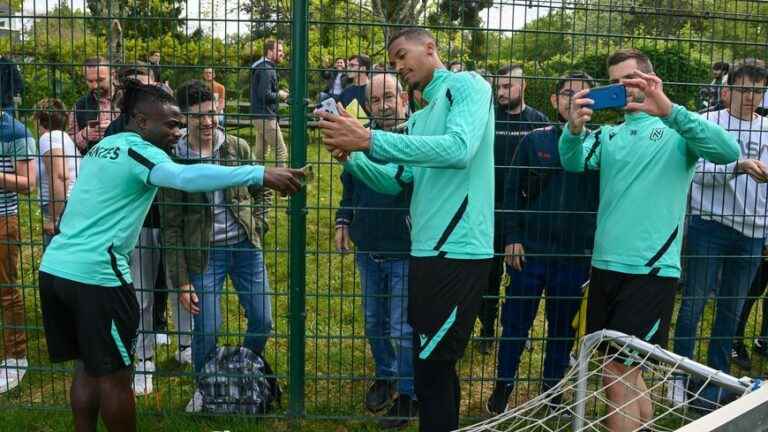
343 242
754 168
343 132
514 256
282 94
579 113
284 180
656 103
188 299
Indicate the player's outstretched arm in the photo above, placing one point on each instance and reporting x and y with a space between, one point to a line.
208 177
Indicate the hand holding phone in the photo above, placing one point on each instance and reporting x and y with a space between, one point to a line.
611 96
329 106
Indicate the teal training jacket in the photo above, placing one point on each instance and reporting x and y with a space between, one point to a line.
447 153
646 166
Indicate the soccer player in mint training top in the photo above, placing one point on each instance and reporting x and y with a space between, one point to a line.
89 307
447 153
646 166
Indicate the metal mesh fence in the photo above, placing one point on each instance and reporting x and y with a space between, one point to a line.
330 307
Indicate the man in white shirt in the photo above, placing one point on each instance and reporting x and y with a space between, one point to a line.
727 228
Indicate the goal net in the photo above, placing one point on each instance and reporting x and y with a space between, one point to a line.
673 384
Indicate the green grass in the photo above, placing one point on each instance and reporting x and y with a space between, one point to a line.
338 365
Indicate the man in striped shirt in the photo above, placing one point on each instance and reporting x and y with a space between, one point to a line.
18 173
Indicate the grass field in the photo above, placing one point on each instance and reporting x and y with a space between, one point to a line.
338 365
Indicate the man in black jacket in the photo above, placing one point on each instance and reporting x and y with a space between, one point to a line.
265 96
514 119
95 110
379 225
551 215
11 85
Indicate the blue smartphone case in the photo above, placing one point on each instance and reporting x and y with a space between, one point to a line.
611 96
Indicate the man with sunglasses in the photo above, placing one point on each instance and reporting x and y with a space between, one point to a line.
543 204
728 226
646 167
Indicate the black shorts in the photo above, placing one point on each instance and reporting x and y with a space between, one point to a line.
95 324
639 305
444 297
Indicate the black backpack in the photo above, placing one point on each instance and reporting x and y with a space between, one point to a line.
235 380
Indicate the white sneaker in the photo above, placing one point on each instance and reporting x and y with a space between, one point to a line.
162 339
184 356
11 373
142 378
196 403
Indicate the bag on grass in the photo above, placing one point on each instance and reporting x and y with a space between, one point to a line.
235 380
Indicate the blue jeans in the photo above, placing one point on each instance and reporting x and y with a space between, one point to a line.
563 280
245 266
714 249
385 302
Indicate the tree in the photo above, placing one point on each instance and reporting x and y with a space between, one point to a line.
268 18
147 19
397 12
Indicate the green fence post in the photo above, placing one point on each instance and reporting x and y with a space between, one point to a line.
297 233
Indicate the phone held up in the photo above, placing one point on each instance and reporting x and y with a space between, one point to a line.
329 106
611 96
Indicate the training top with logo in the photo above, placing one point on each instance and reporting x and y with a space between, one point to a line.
646 166
447 153
735 200
110 199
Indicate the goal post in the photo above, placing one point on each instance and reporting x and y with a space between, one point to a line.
636 347
579 403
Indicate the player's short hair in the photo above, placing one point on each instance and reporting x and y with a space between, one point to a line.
751 68
574 76
51 113
622 55
412 33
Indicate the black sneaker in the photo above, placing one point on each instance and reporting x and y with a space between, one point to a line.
497 403
402 412
380 394
760 347
740 356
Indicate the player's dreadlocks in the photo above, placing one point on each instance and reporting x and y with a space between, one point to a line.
135 95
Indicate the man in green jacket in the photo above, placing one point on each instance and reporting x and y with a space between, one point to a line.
211 235
646 166
447 153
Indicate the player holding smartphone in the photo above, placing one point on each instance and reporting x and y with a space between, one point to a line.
646 166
